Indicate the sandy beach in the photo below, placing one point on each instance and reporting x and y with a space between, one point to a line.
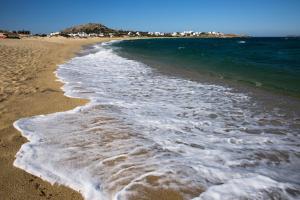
27 88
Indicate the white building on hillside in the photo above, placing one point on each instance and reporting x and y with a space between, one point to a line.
156 33
82 34
186 33
93 35
215 33
54 34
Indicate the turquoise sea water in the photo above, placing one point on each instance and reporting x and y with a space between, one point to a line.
269 63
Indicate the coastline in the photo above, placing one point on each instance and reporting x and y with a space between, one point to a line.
28 88
36 93
94 148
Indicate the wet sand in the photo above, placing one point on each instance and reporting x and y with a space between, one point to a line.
27 88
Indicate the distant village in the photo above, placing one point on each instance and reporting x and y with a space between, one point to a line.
212 34
99 30
143 34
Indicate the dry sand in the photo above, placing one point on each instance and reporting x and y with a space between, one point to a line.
27 88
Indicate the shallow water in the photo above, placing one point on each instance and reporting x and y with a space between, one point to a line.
147 134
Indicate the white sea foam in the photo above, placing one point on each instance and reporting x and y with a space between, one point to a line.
146 131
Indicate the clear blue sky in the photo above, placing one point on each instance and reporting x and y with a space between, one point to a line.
254 17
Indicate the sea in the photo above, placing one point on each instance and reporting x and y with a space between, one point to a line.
174 118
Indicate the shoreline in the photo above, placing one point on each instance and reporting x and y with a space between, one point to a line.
99 147
65 136
29 87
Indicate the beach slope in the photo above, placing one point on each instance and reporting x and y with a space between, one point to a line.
27 88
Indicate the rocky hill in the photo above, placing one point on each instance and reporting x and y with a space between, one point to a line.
89 28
